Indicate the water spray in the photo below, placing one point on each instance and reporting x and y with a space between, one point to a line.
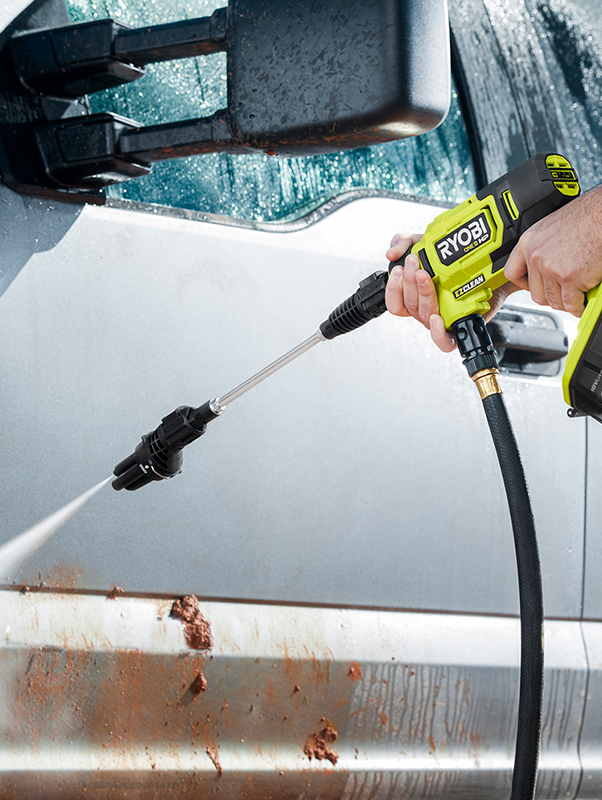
18 550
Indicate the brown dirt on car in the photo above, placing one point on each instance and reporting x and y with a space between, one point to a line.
196 627
199 684
318 745
213 755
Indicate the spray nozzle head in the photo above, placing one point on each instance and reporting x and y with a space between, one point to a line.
152 460
159 454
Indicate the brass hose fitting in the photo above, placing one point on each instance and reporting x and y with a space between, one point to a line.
487 382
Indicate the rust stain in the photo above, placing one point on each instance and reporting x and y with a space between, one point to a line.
197 628
114 592
115 701
358 711
432 744
321 671
318 745
66 576
288 663
383 717
211 750
226 712
355 672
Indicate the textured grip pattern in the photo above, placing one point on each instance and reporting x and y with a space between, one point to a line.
367 303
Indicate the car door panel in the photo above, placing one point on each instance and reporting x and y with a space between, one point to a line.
114 337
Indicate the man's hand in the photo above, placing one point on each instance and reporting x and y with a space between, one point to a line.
560 257
411 293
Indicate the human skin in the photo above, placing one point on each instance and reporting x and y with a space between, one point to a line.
557 260
411 293
560 257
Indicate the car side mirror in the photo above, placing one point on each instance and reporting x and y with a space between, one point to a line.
303 78
308 78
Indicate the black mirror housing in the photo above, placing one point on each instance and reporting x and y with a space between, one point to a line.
308 77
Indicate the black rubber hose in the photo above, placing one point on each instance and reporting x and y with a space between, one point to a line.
530 596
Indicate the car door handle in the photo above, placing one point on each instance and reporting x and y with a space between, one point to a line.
538 344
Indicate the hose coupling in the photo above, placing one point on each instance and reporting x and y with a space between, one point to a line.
474 344
487 382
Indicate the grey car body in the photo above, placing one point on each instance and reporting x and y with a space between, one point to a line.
343 526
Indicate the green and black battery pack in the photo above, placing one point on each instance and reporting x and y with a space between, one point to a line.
582 378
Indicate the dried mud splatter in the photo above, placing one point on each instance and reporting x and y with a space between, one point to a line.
318 744
199 684
196 627
212 753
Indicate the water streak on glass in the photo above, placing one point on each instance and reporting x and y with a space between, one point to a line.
534 71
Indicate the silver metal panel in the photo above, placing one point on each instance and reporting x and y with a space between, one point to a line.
592 594
362 474
97 696
591 736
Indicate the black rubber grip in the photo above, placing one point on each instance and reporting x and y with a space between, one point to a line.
367 303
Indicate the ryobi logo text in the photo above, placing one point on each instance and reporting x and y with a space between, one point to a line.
463 240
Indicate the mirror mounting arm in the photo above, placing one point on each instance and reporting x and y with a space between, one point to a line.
102 149
185 39
180 139
75 60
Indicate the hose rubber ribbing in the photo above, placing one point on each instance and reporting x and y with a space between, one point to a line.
531 600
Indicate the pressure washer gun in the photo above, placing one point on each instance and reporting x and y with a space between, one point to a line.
464 250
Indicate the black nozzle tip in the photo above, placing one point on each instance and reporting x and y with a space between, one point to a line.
159 454
126 472
152 460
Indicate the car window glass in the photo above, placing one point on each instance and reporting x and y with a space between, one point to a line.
258 187
552 55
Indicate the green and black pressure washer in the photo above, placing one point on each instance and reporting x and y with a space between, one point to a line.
464 250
